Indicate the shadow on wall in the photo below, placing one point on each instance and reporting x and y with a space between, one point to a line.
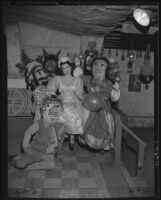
16 129
130 156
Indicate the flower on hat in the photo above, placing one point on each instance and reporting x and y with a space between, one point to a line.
77 61
77 72
64 60
111 60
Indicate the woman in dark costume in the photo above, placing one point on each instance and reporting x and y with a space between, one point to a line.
99 124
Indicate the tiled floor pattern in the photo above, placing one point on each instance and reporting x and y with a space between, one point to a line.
77 174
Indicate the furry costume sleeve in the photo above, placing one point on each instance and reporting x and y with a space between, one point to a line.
39 94
79 88
28 133
53 85
115 93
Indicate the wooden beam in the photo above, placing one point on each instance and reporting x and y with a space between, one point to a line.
111 42
58 23
111 47
115 34
112 39
111 36
130 28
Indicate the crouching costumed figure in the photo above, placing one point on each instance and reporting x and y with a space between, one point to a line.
39 151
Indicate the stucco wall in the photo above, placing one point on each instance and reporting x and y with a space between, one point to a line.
138 104
134 104
13 49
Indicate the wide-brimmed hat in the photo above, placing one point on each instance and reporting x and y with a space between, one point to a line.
31 65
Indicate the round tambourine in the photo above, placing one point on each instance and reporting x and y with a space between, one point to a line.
93 101
17 101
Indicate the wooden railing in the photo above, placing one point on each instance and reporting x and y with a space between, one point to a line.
120 127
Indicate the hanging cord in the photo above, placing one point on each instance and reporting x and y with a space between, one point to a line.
132 45
19 33
147 56
132 48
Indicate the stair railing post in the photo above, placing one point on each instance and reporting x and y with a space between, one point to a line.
118 134
140 161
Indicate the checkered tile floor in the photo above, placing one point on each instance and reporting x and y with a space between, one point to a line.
77 175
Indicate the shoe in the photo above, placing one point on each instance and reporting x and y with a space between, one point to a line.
107 148
71 147
71 142
81 140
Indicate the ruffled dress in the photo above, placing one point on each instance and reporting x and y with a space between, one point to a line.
72 107
99 125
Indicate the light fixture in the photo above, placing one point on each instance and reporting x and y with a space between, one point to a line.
142 17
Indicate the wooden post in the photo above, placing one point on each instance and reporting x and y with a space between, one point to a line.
140 163
118 133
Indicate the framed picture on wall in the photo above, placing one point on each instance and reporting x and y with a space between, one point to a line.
134 83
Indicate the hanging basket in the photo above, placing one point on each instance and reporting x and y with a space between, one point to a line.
146 73
147 69
146 79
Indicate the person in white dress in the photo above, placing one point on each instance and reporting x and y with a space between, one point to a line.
71 90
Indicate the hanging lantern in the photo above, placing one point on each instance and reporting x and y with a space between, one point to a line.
140 54
147 54
131 56
109 53
127 55
102 52
130 63
123 56
81 52
117 53
147 70
146 79
137 54
80 56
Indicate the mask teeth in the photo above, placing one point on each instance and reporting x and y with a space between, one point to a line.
53 115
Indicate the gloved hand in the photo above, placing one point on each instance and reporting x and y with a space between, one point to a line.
50 148
116 86
50 93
